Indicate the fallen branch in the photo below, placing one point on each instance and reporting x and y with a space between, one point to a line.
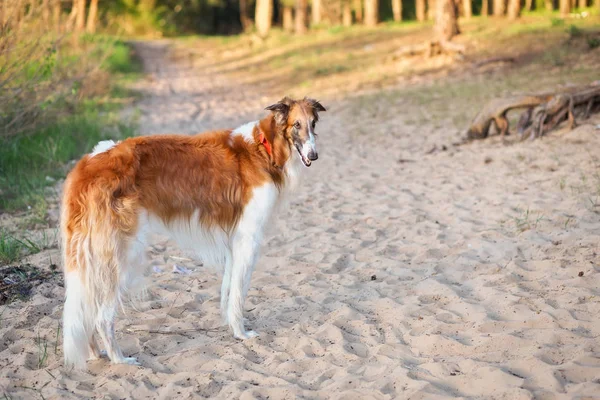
430 49
493 60
543 112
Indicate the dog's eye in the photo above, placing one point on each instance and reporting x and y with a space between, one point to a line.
297 125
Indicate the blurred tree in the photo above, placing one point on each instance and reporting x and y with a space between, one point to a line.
514 9
45 12
420 10
485 7
446 21
371 12
358 11
92 17
565 8
80 17
467 9
499 8
301 6
56 14
288 16
397 10
346 13
262 19
431 9
244 19
316 12
528 5
582 4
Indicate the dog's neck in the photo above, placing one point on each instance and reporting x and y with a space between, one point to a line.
292 167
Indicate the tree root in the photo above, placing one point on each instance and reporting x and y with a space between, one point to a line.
543 112
430 49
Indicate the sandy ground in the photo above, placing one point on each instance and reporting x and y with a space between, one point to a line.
396 274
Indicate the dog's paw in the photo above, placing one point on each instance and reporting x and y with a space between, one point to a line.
128 361
99 355
246 335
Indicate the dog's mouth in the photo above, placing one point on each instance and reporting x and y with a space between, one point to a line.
305 160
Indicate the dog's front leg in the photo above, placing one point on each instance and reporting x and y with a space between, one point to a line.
245 253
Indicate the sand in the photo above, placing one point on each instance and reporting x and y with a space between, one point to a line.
394 274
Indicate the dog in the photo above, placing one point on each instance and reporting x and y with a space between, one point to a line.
213 192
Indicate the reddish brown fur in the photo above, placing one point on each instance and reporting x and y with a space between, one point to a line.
171 176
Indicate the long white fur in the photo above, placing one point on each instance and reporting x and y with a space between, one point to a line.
103 146
92 303
245 131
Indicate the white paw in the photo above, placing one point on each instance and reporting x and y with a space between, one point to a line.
246 335
128 361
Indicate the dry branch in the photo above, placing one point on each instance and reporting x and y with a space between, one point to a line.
543 112
430 49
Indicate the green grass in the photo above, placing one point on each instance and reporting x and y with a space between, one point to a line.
13 248
10 248
30 163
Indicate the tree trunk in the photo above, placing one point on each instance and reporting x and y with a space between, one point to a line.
582 4
45 12
446 23
244 20
514 9
80 17
288 19
431 9
549 5
316 12
301 7
56 14
467 9
262 17
371 11
397 10
90 26
420 10
528 5
358 11
565 8
499 8
346 13
485 8
19 13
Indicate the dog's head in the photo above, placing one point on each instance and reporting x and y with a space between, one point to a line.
296 120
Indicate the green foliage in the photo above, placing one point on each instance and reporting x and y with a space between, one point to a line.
593 42
120 60
10 248
29 163
557 22
574 31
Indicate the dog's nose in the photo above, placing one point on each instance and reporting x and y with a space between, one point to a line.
312 156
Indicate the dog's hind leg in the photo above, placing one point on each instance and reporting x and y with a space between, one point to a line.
225 286
95 352
106 328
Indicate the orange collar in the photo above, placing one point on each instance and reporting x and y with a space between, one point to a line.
263 140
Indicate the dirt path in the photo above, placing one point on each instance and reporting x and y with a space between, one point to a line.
472 272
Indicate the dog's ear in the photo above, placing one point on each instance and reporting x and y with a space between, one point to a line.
280 110
315 104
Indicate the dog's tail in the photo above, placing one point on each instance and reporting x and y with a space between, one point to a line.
94 226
